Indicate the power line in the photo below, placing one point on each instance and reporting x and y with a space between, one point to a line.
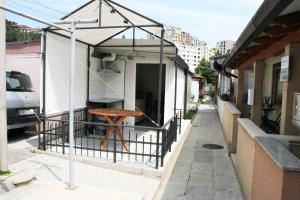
45 6
33 9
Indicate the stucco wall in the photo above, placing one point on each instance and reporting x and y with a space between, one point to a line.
245 152
230 125
267 177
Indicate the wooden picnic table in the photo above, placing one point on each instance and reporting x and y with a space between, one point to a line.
109 115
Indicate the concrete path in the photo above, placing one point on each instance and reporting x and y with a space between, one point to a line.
93 182
199 173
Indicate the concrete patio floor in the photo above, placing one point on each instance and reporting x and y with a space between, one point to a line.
200 173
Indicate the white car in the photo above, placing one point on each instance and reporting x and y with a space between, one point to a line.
22 101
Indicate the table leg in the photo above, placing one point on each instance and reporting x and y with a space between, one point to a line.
120 135
104 142
111 129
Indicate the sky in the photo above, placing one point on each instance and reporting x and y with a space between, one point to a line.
209 20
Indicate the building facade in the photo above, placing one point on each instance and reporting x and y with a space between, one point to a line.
191 49
192 55
224 46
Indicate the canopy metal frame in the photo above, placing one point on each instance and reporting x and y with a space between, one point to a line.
113 5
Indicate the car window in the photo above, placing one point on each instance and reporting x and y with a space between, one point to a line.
18 82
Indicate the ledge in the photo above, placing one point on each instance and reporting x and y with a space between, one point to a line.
284 159
232 108
251 128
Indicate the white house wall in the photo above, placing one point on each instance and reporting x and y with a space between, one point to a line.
97 89
169 90
105 84
180 89
57 74
130 85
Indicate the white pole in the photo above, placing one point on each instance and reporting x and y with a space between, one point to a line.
3 120
2 6
71 108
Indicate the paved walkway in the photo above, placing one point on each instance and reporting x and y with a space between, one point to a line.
93 182
199 173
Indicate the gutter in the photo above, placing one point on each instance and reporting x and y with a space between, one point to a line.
263 17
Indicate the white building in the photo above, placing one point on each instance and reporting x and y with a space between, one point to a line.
192 55
224 46
191 49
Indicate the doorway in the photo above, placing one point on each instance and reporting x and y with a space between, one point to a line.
147 80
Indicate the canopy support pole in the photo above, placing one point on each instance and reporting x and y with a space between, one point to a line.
3 117
160 75
175 95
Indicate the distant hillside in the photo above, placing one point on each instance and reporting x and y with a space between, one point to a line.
20 33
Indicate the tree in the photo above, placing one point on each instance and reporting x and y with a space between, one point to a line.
13 34
203 69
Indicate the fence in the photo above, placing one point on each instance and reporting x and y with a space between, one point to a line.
146 145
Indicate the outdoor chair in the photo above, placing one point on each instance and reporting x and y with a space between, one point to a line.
271 126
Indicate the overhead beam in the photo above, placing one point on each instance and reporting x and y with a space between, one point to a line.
293 37
277 30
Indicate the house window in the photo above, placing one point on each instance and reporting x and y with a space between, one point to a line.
277 85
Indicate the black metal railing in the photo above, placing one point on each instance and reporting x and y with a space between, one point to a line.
147 145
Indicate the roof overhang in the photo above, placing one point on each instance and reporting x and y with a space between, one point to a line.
275 24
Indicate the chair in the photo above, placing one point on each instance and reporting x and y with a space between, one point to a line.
271 126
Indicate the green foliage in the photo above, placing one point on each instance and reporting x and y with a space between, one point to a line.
15 35
204 70
190 114
6 173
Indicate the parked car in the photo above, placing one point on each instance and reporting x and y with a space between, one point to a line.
22 101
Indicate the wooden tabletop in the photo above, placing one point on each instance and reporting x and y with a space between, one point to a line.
113 112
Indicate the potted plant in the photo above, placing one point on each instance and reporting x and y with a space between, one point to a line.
267 102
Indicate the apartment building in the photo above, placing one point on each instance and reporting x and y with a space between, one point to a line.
224 46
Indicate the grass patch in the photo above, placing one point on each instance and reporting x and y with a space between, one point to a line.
35 151
5 173
190 114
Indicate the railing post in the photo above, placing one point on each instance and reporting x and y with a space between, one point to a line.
63 137
163 147
39 136
180 118
115 147
175 132
157 149
44 135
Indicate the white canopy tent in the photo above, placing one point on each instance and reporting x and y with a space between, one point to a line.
113 20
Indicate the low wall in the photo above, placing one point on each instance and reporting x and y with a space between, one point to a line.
220 108
245 152
266 169
230 125
276 172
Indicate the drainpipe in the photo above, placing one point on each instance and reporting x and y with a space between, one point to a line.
3 117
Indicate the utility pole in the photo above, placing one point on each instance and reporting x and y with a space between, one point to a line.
3 120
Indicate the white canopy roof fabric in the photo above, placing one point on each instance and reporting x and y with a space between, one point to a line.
113 19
